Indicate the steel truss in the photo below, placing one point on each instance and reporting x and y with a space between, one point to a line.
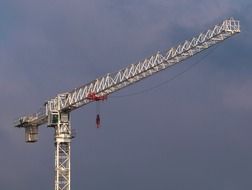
133 73
63 136
56 112
136 72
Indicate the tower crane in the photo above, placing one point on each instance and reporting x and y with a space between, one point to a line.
56 112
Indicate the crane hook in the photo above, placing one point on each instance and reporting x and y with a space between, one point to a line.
98 121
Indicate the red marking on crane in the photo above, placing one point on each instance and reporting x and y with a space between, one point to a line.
92 96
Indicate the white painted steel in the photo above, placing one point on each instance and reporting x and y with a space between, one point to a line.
64 103
63 138
113 82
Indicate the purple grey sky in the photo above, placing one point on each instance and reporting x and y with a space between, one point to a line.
193 133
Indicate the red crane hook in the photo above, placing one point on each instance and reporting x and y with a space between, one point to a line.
94 97
98 121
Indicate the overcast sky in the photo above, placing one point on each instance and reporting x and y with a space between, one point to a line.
193 133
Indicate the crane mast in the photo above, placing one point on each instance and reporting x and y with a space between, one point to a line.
56 112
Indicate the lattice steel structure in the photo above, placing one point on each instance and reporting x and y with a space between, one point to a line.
56 112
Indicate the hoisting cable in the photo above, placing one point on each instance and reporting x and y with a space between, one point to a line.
170 79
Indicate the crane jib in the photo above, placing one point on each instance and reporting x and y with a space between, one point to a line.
110 83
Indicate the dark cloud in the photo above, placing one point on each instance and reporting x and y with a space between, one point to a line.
193 133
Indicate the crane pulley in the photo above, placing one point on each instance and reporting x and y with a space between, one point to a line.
56 112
